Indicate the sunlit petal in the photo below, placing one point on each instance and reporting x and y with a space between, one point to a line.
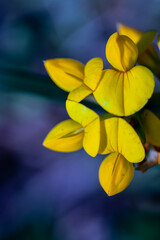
118 136
79 93
121 52
68 74
80 113
115 173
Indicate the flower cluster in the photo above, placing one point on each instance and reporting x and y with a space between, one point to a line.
122 131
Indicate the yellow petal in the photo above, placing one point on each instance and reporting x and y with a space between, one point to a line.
121 52
79 93
151 124
132 33
67 136
124 94
145 41
115 173
118 136
91 123
91 140
68 74
80 113
93 71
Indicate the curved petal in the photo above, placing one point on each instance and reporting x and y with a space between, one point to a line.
79 93
68 74
124 94
118 136
115 173
80 113
132 33
151 125
93 71
67 136
121 52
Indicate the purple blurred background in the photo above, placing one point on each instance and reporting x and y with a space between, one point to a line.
44 194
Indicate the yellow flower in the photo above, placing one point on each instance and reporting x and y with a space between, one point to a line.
83 130
147 54
119 139
151 125
122 90
74 77
125 89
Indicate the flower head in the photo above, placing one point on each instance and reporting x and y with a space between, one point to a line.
121 90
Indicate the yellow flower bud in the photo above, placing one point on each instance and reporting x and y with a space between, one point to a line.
121 52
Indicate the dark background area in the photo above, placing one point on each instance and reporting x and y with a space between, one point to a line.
45 195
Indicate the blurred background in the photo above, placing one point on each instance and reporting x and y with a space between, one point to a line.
46 195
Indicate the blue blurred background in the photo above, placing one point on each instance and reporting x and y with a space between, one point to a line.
46 195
